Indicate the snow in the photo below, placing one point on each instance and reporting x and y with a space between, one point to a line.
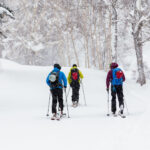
24 125
38 47
138 5
3 10
34 47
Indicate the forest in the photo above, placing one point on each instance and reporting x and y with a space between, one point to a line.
90 33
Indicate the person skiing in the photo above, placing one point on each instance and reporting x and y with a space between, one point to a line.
74 79
56 80
116 77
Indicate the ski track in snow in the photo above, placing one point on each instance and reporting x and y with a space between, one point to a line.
24 125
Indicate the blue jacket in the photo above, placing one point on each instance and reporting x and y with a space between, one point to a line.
62 78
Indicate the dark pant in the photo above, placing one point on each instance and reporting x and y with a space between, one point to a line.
57 95
75 91
116 90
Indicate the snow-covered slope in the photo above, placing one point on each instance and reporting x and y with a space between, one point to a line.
24 125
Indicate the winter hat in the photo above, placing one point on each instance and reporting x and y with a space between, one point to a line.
57 66
113 65
74 65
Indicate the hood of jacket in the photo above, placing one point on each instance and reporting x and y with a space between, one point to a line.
113 65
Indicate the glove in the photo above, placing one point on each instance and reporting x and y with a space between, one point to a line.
65 88
107 89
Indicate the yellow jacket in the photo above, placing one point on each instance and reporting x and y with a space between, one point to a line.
69 75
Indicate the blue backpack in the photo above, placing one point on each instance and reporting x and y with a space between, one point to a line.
117 75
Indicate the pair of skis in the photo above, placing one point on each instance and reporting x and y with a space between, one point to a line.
75 105
115 115
58 116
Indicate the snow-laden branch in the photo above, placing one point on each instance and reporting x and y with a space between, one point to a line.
147 39
1 34
7 12
143 19
138 5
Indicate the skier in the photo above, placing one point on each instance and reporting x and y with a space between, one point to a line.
74 79
56 80
116 77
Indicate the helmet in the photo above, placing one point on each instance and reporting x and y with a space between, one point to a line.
74 65
57 66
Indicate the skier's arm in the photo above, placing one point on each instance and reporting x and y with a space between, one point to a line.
81 75
108 79
47 80
123 77
64 79
69 77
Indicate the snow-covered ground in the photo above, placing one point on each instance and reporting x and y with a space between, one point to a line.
24 125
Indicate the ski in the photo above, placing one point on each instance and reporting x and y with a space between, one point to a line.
58 116
74 106
115 115
53 118
122 116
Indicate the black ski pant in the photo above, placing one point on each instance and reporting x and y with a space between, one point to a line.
116 90
57 95
75 92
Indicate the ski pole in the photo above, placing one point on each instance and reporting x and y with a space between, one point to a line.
67 103
68 92
126 103
108 104
48 104
126 107
83 93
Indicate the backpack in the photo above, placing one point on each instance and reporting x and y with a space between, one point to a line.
117 75
54 79
75 75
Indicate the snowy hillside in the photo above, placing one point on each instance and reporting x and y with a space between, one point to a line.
24 125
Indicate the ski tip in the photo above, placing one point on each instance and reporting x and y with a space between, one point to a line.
108 114
123 116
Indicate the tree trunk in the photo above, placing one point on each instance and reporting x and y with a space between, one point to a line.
140 65
116 30
68 51
139 55
116 37
75 51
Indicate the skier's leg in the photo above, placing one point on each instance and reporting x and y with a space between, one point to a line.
77 93
120 97
54 101
113 101
60 99
73 94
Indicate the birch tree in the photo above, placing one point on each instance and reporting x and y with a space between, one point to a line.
4 13
139 18
115 22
